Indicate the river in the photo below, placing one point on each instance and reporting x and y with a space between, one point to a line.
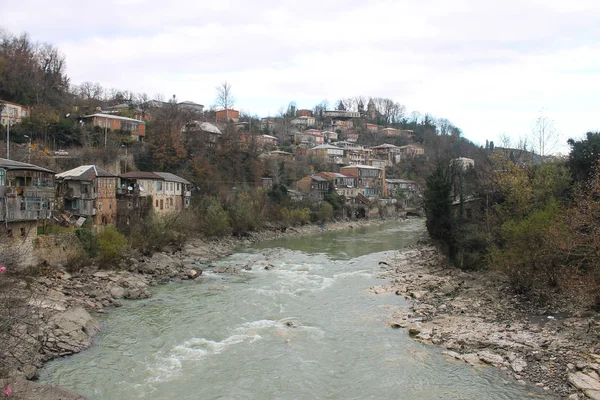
306 329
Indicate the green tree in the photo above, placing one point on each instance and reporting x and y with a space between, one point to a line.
584 155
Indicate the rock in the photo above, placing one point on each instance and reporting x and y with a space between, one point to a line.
269 267
29 371
490 358
471 358
117 292
414 329
218 287
79 328
100 274
452 354
588 383
518 364
193 274
137 294
418 294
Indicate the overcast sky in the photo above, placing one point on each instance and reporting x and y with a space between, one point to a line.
490 67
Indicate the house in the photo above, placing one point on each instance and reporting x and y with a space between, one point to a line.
228 115
304 113
411 151
201 133
370 180
12 112
463 163
390 132
377 163
309 137
328 153
372 127
388 152
344 185
115 122
313 186
304 121
190 106
267 140
26 197
88 191
169 192
405 191
352 137
330 136
281 155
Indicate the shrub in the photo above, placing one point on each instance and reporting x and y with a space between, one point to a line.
111 246
89 241
215 221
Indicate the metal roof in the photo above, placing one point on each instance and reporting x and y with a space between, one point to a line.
327 146
167 176
108 116
85 173
11 165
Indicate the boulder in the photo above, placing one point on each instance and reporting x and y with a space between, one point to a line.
193 274
414 329
29 371
117 292
418 294
518 365
588 383
490 358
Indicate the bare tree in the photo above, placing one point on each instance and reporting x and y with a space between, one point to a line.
545 136
224 96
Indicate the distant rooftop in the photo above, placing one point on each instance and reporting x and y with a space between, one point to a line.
10 165
109 116
85 173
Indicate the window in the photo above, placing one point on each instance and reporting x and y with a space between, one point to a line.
171 201
100 205
156 203
23 232
2 177
161 204
178 187
110 205
110 183
159 186
22 205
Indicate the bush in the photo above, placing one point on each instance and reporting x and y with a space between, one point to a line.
111 246
295 215
215 221
158 231
89 241
325 212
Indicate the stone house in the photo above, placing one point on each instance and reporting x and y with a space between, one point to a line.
88 191
328 153
12 112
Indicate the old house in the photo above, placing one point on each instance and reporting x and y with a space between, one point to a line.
370 180
228 116
412 151
198 133
463 163
309 137
314 187
304 121
88 191
12 113
388 152
26 197
328 153
116 122
168 192
304 113
404 190
344 185
330 136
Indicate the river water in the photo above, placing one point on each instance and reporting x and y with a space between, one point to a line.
227 336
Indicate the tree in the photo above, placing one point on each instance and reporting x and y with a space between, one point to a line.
224 97
584 155
545 136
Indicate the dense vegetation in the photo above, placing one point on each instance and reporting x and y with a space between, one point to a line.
536 224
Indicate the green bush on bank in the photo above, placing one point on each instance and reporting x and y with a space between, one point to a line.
112 246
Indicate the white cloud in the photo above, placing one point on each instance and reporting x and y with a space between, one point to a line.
488 66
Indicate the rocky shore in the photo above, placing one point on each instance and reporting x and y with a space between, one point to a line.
479 320
55 316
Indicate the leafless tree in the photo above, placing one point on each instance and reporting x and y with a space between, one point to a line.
545 136
224 97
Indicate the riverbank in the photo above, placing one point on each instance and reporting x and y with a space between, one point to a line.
479 320
57 309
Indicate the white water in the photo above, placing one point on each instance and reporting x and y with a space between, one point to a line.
190 342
